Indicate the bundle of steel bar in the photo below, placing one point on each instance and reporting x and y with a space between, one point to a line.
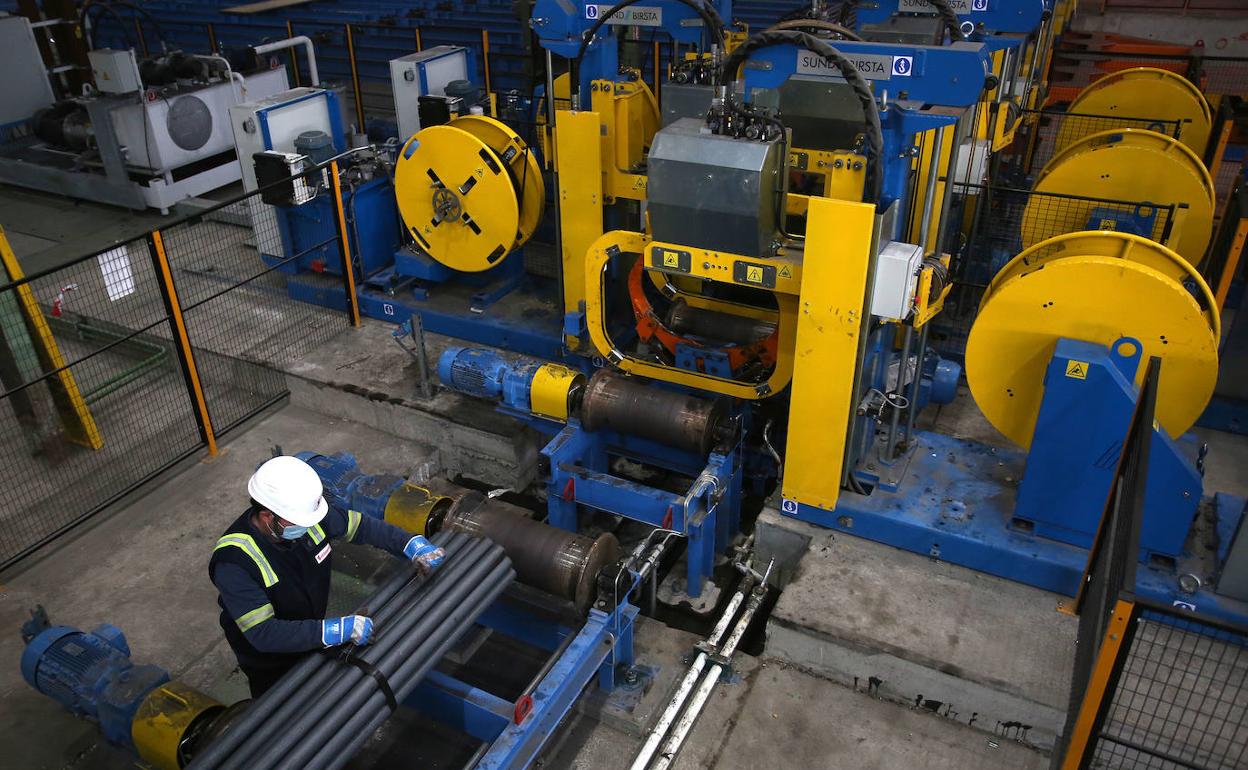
319 714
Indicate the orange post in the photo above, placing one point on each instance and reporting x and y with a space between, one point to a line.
655 54
1104 670
420 45
355 79
348 269
294 60
485 55
190 370
1232 263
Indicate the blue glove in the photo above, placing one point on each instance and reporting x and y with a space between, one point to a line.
352 628
424 554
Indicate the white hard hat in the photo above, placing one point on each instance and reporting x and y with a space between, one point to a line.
290 488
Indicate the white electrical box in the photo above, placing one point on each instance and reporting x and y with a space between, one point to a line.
115 72
896 280
424 74
273 123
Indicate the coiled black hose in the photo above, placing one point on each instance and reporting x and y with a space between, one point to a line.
875 132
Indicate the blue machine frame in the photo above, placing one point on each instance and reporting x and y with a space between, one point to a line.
1017 17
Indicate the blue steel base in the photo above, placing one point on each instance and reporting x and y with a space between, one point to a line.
516 732
1226 414
526 323
579 462
955 502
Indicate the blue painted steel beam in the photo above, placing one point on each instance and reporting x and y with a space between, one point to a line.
989 16
461 706
593 649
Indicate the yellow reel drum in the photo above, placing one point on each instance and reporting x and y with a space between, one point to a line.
470 192
1096 287
1125 165
1144 93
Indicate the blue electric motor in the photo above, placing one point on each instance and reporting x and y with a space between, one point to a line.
88 673
486 374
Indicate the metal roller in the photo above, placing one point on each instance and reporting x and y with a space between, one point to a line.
641 409
557 561
714 325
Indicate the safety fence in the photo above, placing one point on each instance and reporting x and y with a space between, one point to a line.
1003 221
1044 133
1153 686
119 363
1073 68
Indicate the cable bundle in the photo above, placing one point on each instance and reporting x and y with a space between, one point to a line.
320 713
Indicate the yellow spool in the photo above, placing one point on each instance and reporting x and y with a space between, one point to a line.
1092 298
1145 93
469 192
1127 165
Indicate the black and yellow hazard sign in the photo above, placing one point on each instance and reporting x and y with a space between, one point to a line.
1077 370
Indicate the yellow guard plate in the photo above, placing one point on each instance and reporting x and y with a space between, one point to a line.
1126 165
481 218
1148 93
1096 299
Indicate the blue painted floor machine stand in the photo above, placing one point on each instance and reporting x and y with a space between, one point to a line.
1031 517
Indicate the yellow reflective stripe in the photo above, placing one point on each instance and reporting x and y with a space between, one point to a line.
317 534
353 523
247 545
255 617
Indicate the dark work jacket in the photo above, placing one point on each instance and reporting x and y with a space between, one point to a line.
272 606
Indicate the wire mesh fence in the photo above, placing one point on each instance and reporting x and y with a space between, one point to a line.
1182 696
83 345
105 360
1048 132
1006 220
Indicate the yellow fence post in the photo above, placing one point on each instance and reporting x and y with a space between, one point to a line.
75 416
156 245
344 246
1100 685
485 58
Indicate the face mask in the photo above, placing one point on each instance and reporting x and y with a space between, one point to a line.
293 533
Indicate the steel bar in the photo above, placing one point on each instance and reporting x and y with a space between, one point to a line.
417 665
677 739
283 694
446 589
659 732
891 444
916 381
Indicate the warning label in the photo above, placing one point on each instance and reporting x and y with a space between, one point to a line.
1077 370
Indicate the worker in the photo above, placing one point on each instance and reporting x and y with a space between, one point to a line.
271 569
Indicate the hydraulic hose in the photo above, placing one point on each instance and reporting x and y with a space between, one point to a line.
710 17
875 133
952 25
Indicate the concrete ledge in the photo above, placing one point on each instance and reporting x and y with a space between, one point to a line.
974 648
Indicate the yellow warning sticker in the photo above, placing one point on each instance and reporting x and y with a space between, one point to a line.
754 274
1109 224
785 272
1077 370
671 259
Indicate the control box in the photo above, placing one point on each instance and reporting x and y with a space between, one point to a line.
425 74
115 72
896 280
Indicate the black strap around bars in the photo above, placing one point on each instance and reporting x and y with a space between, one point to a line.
382 682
